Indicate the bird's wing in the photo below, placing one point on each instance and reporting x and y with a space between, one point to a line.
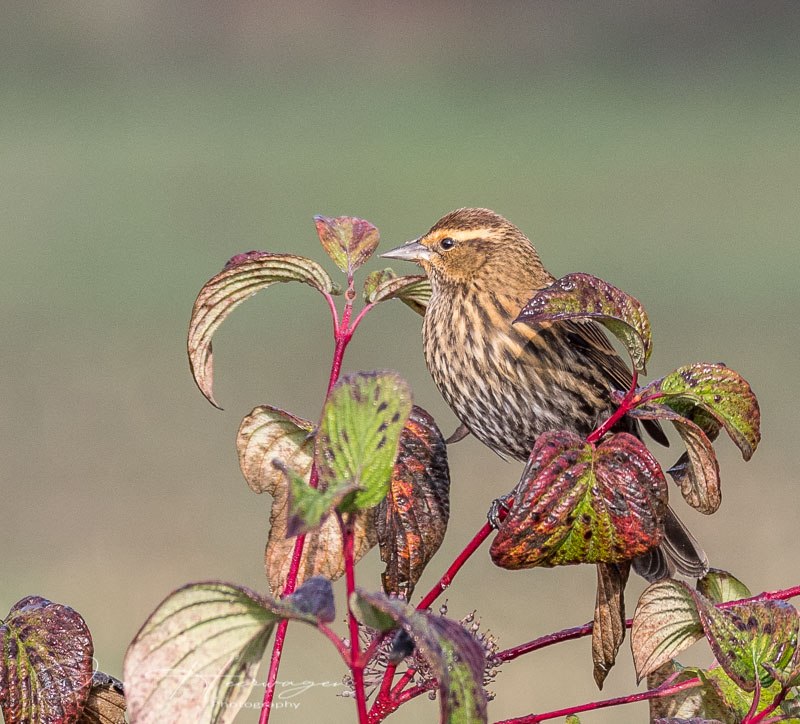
593 342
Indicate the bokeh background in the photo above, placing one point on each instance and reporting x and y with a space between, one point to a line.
143 143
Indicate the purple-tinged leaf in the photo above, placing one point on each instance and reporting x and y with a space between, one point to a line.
746 636
412 519
583 296
347 240
697 471
243 276
665 623
577 503
106 702
743 637
268 434
359 434
456 658
196 656
45 663
694 720
608 631
414 290
720 392
721 587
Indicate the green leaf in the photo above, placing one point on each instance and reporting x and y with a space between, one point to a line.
243 276
697 471
736 700
583 296
720 586
720 392
359 434
577 503
197 654
412 519
269 433
743 637
414 289
665 623
456 659
45 663
309 507
347 240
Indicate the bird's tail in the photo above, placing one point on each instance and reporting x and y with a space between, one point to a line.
678 553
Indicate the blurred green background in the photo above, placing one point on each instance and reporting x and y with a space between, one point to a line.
143 143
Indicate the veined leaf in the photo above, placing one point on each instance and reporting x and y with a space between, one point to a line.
720 586
197 654
45 663
577 503
106 702
243 276
665 623
608 631
268 434
359 434
310 507
697 471
457 660
414 289
583 296
718 390
347 240
412 519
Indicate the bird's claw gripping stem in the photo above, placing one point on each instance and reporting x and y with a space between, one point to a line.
499 510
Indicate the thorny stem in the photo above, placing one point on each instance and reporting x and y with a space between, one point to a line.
342 332
620 412
577 632
631 698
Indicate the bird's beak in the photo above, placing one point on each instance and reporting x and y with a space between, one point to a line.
410 251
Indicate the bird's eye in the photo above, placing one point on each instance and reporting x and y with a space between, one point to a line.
447 243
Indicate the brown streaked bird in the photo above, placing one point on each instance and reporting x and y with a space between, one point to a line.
508 383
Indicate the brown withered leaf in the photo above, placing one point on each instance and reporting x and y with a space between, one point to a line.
106 703
412 519
267 434
608 631
682 705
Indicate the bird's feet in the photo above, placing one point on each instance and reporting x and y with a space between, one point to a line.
499 510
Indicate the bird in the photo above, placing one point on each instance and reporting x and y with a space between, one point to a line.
508 383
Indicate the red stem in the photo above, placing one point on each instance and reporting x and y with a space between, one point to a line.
776 702
579 631
336 641
631 698
342 335
460 560
620 412
356 665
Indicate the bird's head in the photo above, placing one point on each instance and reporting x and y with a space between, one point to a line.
470 244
